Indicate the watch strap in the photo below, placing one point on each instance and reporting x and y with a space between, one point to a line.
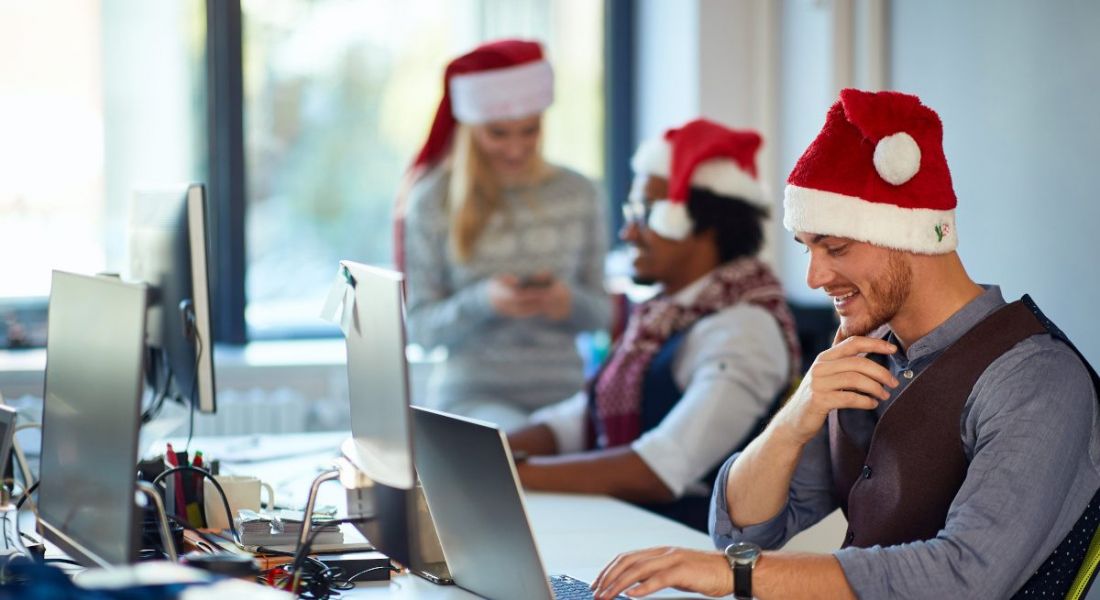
742 581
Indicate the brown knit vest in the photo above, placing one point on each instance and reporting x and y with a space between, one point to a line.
899 489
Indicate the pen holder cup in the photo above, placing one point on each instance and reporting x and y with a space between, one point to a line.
186 506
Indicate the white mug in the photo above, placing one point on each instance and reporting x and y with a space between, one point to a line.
242 491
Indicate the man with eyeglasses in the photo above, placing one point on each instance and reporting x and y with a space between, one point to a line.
702 365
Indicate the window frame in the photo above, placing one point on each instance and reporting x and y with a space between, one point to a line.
226 168
620 27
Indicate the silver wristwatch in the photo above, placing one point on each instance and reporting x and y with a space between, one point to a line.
742 557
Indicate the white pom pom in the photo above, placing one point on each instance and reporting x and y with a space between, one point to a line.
670 220
653 157
897 158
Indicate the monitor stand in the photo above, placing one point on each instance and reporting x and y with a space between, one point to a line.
401 526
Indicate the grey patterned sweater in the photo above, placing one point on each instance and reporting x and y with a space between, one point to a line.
559 226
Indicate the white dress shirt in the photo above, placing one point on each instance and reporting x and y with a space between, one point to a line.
731 366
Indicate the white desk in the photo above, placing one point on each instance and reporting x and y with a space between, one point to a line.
576 535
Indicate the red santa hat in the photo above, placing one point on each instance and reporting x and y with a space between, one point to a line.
700 154
876 173
506 79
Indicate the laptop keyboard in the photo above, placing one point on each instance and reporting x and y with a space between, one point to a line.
568 588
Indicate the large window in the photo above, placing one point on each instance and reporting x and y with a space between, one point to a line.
338 96
96 98
108 96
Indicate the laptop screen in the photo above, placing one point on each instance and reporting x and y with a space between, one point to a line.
475 500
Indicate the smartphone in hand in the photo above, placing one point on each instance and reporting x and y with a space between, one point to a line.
536 281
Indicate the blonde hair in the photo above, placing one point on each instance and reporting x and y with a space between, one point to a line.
474 194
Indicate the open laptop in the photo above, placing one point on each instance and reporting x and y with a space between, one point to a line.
474 496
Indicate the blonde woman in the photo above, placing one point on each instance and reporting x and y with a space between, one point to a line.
503 252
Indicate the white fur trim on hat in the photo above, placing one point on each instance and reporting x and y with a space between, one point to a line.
723 177
918 230
719 175
670 220
508 93
897 158
653 157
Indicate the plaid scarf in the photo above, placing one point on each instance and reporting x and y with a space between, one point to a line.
616 391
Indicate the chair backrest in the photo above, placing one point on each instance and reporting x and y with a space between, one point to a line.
1055 577
816 325
1086 575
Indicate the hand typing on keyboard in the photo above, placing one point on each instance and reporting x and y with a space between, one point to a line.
568 588
644 572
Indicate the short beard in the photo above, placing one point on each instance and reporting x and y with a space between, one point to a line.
884 298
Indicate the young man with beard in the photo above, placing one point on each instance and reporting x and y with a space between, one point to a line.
958 433
701 365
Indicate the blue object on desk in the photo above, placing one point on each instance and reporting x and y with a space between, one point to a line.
26 579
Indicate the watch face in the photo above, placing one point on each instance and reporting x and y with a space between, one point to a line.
743 553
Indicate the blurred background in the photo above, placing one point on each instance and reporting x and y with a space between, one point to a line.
301 116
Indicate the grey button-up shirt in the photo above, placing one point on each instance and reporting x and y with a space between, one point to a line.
1031 431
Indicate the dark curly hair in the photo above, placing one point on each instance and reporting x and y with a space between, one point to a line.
738 226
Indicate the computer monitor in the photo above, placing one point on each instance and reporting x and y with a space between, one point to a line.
91 416
381 421
378 380
168 244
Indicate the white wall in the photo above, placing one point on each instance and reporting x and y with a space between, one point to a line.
666 50
806 92
1016 83
714 59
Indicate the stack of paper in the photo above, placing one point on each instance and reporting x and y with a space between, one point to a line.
282 528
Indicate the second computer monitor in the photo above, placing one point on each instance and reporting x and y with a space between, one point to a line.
168 243
91 415
381 422
378 383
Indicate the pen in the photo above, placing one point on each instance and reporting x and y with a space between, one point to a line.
197 485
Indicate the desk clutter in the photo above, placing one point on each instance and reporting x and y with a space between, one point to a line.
262 547
284 527
259 545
